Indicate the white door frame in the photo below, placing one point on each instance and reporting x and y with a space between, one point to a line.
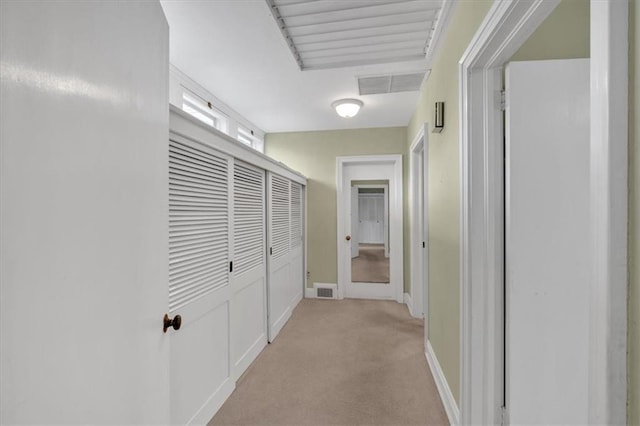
395 221
507 25
419 229
385 188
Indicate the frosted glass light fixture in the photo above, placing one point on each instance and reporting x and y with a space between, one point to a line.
347 108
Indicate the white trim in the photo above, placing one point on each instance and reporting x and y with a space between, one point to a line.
608 325
419 272
309 293
395 223
438 32
409 302
448 401
507 25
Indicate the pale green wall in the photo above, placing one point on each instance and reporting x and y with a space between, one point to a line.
444 192
634 216
563 35
314 155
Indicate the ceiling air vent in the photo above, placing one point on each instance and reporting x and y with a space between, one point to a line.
394 83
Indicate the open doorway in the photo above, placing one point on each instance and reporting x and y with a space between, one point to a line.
482 220
370 232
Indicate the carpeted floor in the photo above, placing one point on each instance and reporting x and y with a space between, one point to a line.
347 362
370 266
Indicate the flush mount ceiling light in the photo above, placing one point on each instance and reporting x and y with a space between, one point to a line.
347 108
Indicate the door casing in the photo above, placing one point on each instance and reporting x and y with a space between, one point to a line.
506 27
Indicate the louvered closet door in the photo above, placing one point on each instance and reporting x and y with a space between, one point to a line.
279 232
297 243
249 276
200 208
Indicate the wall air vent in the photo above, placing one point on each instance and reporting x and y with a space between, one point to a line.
393 83
326 291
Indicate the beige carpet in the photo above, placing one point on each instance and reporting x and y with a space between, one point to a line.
348 362
370 266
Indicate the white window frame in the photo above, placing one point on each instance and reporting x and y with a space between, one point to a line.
179 82
220 120
249 135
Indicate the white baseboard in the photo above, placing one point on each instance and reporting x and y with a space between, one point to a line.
409 302
449 402
309 293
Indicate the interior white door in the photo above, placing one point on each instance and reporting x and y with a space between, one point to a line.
249 274
354 214
421 307
200 228
547 241
83 202
279 265
297 244
361 172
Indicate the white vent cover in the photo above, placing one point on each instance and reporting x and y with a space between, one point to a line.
393 83
325 290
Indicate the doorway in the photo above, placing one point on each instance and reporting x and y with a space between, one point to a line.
503 31
370 247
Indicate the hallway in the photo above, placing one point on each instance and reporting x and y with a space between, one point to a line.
339 363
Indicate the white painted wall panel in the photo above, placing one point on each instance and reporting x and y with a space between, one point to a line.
201 378
83 187
547 241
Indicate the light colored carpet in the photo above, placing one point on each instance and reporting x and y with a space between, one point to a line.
347 362
370 266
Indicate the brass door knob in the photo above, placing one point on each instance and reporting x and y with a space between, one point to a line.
174 322
348 237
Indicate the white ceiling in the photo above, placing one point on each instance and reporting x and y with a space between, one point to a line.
236 51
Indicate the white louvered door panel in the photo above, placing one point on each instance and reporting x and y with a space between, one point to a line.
280 216
200 208
249 276
296 215
279 237
296 285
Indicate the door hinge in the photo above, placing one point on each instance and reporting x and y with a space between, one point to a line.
231 266
503 100
271 251
504 416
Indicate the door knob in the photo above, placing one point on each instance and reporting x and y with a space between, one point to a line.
174 322
348 237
